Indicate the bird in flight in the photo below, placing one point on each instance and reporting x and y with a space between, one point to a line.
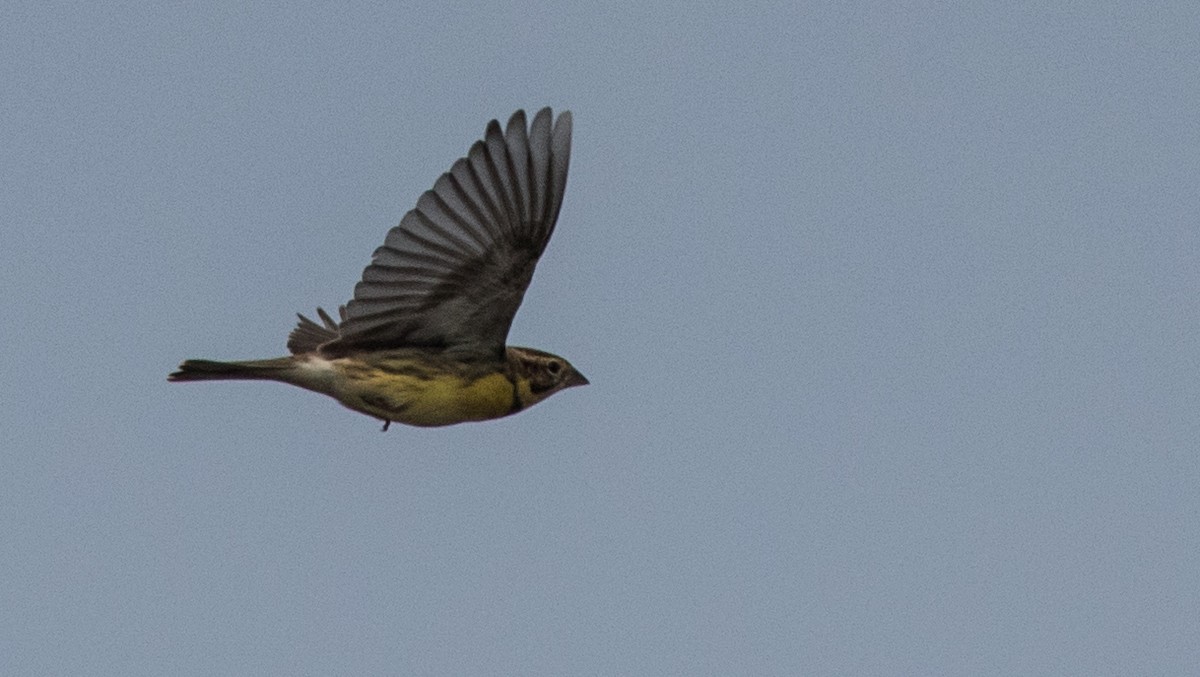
423 340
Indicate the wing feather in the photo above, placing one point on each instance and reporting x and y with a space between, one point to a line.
454 271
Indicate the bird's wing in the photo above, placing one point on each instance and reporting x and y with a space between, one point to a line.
453 273
308 335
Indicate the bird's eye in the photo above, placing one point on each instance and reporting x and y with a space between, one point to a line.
554 368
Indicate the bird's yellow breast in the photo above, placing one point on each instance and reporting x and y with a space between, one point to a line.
421 398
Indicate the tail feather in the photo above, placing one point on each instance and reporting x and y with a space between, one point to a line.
211 370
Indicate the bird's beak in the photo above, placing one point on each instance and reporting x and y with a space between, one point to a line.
575 379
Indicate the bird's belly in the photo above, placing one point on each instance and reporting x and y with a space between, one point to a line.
444 400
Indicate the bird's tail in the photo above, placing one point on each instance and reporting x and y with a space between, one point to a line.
211 370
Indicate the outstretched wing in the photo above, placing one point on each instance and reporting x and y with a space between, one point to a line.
453 273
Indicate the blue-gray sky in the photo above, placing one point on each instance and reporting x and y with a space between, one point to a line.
890 310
